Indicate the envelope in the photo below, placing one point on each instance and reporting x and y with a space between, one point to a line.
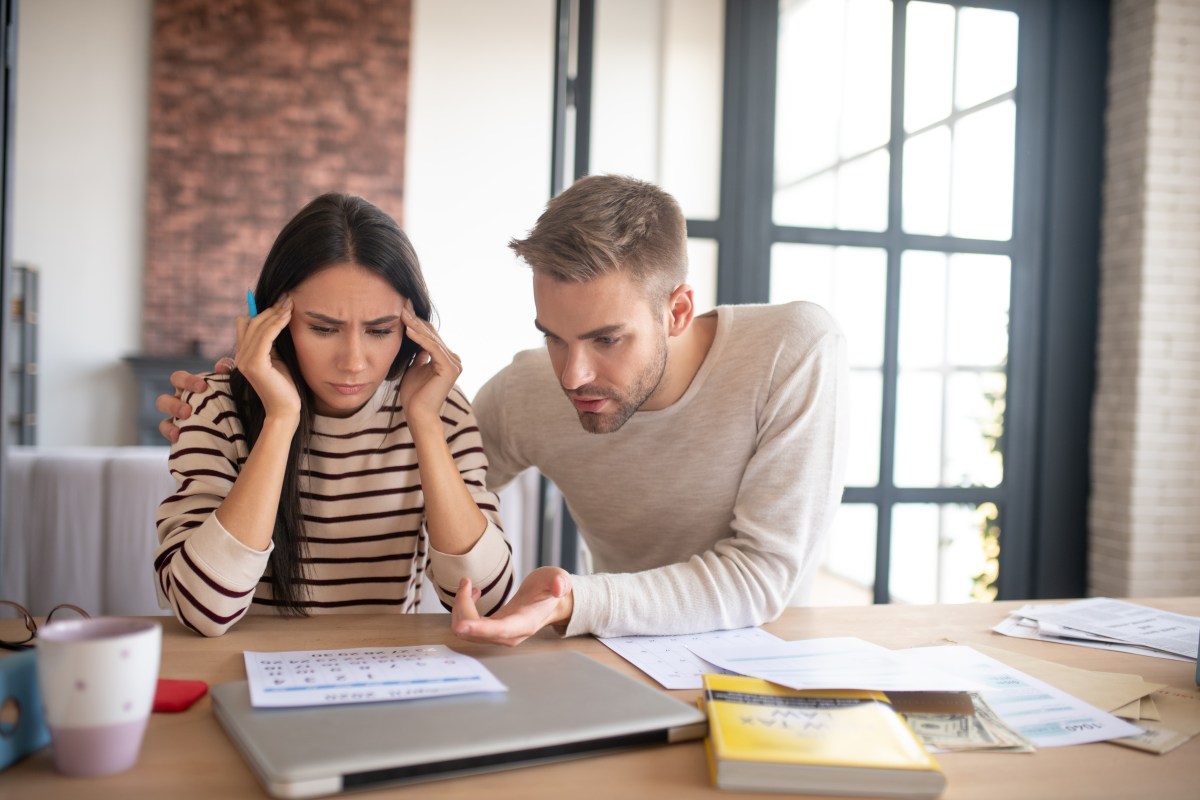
1105 690
1170 717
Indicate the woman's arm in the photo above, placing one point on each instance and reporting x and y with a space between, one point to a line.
215 532
206 575
452 518
249 512
461 515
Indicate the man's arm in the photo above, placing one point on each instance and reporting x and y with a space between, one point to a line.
788 494
174 406
544 598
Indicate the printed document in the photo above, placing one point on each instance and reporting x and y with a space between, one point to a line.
363 675
834 663
1121 621
1022 624
1041 713
668 660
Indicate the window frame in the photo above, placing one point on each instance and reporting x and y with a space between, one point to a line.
1059 141
1062 63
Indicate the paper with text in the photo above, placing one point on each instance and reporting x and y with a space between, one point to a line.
834 663
1122 621
363 675
1020 626
668 660
1046 716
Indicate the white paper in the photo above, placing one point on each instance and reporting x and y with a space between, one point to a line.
668 660
1128 622
835 663
1021 627
363 675
1047 716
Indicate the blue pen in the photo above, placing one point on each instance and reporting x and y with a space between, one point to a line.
251 304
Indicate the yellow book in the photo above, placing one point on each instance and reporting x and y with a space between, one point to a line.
762 736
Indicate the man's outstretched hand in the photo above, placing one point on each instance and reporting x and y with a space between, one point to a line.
174 407
544 598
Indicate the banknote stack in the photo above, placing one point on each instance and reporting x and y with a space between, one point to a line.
983 730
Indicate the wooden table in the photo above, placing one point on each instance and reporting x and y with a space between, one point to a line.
187 755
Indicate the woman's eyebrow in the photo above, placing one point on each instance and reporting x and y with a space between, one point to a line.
335 321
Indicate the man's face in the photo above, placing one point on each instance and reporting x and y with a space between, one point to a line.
607 345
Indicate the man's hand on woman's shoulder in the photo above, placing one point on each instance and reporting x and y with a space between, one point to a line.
172 404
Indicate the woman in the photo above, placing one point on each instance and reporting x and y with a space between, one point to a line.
339 462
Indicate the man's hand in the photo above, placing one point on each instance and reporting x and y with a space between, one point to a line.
173 407
544 598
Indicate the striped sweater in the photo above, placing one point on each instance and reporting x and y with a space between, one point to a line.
363 509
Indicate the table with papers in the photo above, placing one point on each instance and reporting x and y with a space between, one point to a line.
187 756
1107 624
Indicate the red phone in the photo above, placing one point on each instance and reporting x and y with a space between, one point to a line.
177 695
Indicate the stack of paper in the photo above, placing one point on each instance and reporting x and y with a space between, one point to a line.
1037 711
1108 624
1168 715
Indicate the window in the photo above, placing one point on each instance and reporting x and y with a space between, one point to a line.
902 164
911 190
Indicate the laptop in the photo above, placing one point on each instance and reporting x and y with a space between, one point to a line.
559 705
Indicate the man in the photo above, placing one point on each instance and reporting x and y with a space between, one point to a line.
702 456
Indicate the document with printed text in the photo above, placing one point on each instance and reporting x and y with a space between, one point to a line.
668 660
1122 621
363 675
1046 716
834 663
1022 624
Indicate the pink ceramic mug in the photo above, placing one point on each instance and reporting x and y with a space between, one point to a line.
97 678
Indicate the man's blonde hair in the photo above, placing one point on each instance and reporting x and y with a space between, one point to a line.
610 223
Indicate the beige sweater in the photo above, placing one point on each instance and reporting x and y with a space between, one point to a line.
363 512
710 513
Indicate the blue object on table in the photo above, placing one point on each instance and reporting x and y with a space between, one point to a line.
22 723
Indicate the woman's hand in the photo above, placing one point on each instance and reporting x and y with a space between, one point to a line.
429 380
264 370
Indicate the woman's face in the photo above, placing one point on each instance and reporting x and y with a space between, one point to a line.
347 331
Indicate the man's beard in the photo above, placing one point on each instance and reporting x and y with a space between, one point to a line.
627 404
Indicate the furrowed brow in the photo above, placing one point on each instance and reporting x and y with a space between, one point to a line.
604 330
335 321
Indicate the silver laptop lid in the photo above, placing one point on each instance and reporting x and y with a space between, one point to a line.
559 705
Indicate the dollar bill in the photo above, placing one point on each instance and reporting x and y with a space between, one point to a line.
983 730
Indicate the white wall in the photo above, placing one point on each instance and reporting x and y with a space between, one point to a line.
477 167
477 172
656 108
79 199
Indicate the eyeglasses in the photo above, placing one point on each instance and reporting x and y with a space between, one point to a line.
31 625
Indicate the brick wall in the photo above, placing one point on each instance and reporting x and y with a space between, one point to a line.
1145 507
256 106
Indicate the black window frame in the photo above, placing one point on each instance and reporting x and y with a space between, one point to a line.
1062 69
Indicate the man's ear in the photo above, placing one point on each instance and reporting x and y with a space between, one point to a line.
681 308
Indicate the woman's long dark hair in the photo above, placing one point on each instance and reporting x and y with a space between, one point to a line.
332 229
